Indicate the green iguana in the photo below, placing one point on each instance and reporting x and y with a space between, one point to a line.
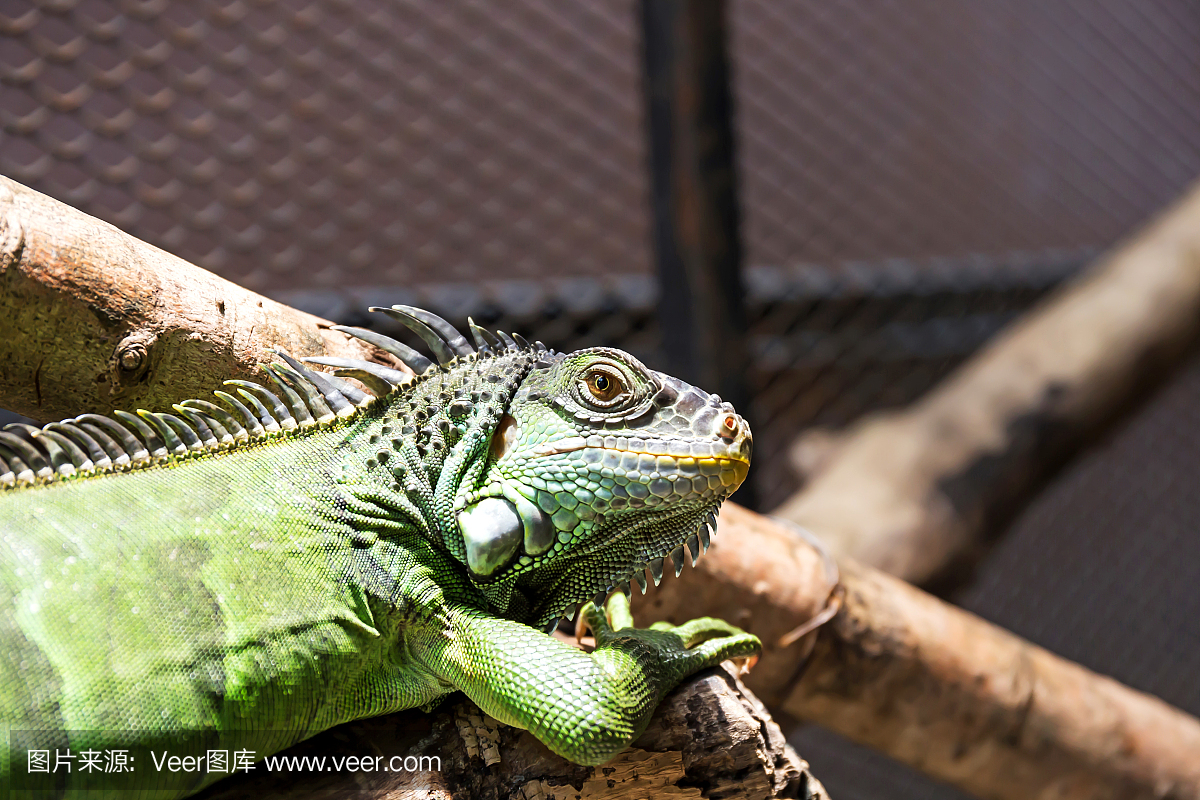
243 577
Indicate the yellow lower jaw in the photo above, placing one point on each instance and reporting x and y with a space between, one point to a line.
740 470
731 471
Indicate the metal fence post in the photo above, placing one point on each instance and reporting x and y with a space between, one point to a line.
689 113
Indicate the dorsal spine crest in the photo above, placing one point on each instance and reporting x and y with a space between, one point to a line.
300 401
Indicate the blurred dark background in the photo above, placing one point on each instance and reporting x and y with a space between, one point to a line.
907 178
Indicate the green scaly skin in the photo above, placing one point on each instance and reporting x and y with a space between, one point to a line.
253 596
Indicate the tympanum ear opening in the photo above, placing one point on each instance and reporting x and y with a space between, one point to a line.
503 438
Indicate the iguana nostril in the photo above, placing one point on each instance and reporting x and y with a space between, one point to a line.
729 427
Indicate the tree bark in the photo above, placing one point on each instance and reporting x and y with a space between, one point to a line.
710 738
92 319
929 684
922 492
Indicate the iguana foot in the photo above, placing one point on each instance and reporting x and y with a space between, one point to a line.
681 650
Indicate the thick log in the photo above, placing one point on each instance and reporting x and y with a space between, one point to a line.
930 684
921 493
709 738
92 319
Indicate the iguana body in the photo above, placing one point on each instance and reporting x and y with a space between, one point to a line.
244 595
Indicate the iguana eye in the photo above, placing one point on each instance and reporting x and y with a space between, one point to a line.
605 387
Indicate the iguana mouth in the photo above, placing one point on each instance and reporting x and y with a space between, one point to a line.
734 462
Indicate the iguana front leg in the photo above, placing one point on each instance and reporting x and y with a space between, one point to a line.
586 707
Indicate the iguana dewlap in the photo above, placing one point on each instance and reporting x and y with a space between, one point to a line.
242 575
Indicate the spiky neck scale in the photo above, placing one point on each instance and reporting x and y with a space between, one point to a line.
412 455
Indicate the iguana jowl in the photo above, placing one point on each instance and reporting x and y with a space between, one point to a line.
246 576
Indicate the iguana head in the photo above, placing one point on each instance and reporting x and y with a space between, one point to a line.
599 469
554 477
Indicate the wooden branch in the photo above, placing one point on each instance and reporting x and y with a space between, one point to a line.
92 319
920 493
709 738
929 684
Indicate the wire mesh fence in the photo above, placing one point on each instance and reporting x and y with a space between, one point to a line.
913 175
332 142
918 129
